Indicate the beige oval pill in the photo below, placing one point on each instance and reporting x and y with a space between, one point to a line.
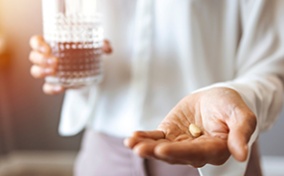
194 130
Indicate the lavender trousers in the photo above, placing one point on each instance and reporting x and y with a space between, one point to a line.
104 155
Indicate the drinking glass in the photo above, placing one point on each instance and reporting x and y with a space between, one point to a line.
74 32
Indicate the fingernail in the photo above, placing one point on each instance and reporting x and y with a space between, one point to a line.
43 49
48 70
51 61
57 88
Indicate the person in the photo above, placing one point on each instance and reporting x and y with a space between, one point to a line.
216 64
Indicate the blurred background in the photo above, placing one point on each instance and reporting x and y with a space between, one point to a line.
29 140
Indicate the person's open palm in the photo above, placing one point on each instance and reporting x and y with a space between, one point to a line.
224 118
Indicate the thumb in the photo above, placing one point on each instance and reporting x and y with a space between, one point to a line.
239 137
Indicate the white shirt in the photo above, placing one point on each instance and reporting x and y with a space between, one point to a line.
166 49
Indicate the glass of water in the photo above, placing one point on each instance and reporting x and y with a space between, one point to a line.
73 30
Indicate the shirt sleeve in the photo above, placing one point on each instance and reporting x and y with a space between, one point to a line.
259 71
76 110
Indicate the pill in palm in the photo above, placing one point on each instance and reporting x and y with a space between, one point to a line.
194 130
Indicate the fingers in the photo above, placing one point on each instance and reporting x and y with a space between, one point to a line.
156 134
179 153
37 43
43 64
40 72
139 136
42 60
146 148
107 47
52 89
143 143
238 146
196 152
239 136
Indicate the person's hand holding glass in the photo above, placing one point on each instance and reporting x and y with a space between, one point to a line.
45 63
68 55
